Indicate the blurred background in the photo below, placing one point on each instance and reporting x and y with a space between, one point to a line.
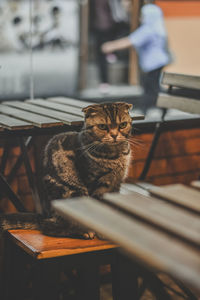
52 46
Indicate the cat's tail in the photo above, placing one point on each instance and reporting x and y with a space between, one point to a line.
19 221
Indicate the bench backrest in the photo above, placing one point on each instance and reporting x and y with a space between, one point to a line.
182 93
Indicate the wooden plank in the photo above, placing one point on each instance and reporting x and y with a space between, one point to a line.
70 101
42 246
71 109
184 104
159 213
149 246
136 117
127 188
63 104
34 119
49 115
13 123
181 80
179 194
58 107
196 184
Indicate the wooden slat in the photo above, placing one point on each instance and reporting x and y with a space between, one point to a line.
70 101
127 188
184 104
57 106
79 105
34 119
41 246
160 214
196 184
149 246
50 115
181 80
180 195
13 123
136 117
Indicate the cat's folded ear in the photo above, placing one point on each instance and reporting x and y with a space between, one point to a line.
90 110
125 105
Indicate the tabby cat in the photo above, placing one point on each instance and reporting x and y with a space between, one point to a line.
91 162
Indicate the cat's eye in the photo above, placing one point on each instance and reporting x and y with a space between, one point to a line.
123 125
102 126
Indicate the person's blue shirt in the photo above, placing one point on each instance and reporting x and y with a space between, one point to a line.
150 39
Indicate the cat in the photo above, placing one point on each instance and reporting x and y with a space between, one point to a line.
91 162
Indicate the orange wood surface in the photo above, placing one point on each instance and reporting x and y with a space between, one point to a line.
179 8
41 246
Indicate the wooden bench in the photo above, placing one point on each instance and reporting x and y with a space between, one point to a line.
35 263
159 231
182 94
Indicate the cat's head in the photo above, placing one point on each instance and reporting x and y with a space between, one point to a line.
108 122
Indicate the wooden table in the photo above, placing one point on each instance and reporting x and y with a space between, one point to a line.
159 229
23 120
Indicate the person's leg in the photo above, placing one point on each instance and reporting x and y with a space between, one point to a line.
101 57
151 84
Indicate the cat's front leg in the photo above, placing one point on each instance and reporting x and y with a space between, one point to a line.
106 184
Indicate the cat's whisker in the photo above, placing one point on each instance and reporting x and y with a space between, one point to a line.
90 147
136 145
84 146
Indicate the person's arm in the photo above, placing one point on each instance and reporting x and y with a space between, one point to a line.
115 45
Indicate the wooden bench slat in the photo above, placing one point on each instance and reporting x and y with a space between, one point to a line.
24 107
150 246
181 80
70 101
58 107
136 117
66 102
13 123
196 184
160 214
180 195
127 188
49 115
41 246
34 119
184 104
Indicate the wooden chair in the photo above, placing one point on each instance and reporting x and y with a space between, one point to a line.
182 94
42 267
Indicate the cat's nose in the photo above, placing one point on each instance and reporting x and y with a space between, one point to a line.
114 136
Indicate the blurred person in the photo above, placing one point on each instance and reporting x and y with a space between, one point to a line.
151 43
103 27
106 16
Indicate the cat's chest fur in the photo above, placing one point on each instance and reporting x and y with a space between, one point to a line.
92 163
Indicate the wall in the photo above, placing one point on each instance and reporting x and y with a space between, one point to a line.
182 20
176 159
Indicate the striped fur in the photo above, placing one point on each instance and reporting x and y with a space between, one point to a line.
91 162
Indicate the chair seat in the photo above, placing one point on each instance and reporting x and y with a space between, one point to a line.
41 246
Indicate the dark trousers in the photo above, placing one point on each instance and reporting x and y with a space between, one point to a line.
151 84
102 36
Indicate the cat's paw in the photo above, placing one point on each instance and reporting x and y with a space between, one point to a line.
101 236
89 235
